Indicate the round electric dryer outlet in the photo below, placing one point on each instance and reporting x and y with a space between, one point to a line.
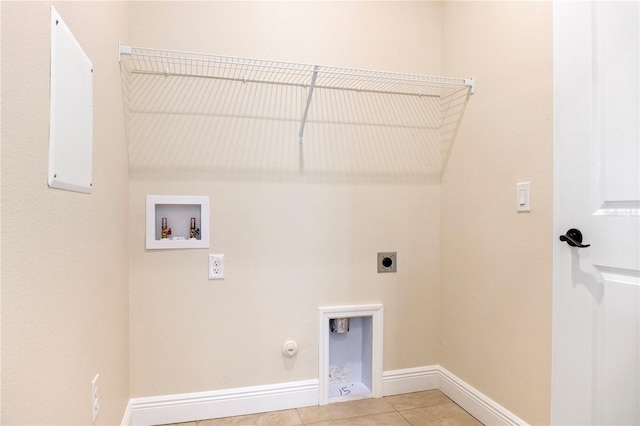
289 349
387 261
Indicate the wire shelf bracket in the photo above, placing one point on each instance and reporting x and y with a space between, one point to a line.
306 108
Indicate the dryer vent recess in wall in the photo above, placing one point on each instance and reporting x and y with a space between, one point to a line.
387 262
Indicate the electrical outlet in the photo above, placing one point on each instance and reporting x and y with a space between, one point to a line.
95 404
216 266
387 262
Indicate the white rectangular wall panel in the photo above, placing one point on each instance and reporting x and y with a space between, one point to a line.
71 114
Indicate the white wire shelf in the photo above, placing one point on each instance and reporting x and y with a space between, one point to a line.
166 62
409 120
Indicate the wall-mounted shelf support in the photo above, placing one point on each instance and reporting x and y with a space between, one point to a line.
306 108
123 50
471 83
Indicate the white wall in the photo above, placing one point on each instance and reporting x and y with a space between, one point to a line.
64 254
496 262
292 240
316 234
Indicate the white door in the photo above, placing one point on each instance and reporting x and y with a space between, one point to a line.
596 296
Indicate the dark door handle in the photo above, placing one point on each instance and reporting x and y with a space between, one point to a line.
573 237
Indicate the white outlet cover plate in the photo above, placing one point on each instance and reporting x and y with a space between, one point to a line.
95 404
216 266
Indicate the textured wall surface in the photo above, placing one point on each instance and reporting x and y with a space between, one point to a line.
299 226
496 262
64 254
294 239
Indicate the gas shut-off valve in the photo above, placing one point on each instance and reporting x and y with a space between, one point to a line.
289 349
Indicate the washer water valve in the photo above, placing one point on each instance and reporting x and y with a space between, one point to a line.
289 349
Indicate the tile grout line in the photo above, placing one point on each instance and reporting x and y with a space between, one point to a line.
395 409
401 415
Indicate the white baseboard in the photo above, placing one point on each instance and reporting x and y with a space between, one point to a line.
127 418
475 402
223 403
256 399
409 380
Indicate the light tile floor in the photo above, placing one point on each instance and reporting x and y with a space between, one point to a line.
417 409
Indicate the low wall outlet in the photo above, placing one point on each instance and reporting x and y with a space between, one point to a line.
95 404
216 266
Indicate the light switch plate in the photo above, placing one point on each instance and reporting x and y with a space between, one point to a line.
523 196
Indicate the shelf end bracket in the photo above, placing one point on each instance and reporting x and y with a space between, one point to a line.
123 50
471 83
306 108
